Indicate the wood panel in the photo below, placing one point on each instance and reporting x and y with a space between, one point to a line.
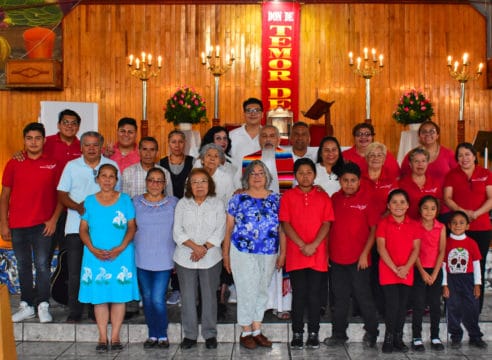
415 39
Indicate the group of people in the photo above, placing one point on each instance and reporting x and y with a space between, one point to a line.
281 221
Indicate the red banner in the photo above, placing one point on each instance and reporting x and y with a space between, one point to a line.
280 56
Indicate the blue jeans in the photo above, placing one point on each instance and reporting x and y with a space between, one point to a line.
30 244
153 287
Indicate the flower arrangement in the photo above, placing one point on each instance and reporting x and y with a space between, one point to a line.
413 108
185 106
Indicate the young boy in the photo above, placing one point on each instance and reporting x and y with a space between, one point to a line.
461 282
350 241
28 214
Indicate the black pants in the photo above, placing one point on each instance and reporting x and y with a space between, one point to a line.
347 281
462 307
75 248
424 294
482 238
306 290
59 235
396 297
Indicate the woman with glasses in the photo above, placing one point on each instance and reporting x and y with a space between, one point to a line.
154 250
252 249
363 136
199 226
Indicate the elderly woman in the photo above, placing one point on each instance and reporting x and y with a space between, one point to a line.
108 270
468 188
154 249
363 134
220 136
199 225
211 156
253 231
419 183
329 164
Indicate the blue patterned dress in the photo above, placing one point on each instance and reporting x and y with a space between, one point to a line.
111 281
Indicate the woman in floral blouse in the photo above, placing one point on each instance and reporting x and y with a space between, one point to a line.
253 230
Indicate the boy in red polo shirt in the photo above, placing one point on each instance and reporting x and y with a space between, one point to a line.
28 214
350 242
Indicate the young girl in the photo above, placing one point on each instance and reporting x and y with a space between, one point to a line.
306 213
398 243
461 282
428 277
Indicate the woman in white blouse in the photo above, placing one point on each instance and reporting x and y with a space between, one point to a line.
329 164
199 227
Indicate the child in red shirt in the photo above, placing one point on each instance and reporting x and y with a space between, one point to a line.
398 241
428 274
306 214
461 282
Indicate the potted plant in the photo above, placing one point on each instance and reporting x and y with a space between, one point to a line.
185 106
413 108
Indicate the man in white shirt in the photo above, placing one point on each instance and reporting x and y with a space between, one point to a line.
300 140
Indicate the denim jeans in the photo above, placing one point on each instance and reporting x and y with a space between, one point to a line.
153 286
30 244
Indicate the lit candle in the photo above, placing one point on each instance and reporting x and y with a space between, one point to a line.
217 51
351 58
358 62
130 60
366 53
374 58
159 61
143 58
203 58
449 60
381 57
149 59
210 49
137 63
232 54
480 66
456 64
227 59
465 59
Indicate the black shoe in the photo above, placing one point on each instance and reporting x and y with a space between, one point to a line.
211 343
387 344
150 343
312 341
455 344
116 345
187 343
334 341
369 340
297 343
418 345
398 343
163 343
73 319
102 346
436 344
478 343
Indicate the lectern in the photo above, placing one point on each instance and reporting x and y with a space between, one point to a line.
482 142
319 108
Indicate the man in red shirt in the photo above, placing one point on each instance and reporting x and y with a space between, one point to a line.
29 211
125 151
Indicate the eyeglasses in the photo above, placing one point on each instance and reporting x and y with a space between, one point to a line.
428 132
69 123
258 174
197 182
128 132
155 182
253 111
375 156
363 134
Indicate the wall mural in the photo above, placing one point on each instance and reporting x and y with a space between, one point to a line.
30 29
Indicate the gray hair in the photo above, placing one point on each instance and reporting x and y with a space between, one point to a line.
375 146
95 134
206 148
249 169
270 126
417 151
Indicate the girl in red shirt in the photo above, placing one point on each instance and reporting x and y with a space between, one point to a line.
398 243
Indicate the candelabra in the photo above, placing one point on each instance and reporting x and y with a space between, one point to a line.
462 75
367 68
142 68
213 61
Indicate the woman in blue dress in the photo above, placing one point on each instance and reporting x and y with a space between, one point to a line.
108 274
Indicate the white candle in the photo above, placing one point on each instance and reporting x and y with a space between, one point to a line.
480 66
227 59
130 60
149 59
449 60
143 58
374 58
232 54
217 51
159 61
351 58
465 59
137 63
456 64
366 53
358 62
381 57
203 58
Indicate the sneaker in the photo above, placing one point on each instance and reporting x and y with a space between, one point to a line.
232 295
312 341
436 344
418 345
478 343
25 312
44 313
297 343
174 298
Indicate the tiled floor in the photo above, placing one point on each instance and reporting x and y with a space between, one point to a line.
86 351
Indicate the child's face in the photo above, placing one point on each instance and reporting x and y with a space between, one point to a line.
349 183
458 225
428 210
305 176
398 205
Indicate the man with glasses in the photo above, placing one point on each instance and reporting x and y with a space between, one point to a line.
125 151
76 183
363 136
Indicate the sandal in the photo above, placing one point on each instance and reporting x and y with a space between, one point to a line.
116 345
102 346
